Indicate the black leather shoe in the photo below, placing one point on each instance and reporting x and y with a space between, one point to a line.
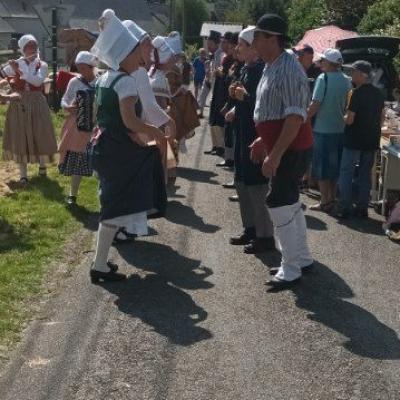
111 276
230 185
213 150
234 198
113 267
305 270
276 285
71 200
220 151
226 163
260 245
245 238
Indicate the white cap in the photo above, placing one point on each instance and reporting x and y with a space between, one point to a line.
85 57
24 40
164 51
247 34
333 56
174 42
137 31
115 41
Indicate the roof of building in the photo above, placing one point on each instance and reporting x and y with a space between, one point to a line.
221 27
5 27
138 10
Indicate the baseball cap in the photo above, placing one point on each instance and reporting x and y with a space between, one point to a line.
332 55
362 66
272 24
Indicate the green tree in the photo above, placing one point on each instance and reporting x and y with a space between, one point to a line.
248 12
380 15
189 17
257 8
347 13
304 15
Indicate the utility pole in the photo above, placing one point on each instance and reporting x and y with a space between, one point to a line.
54 24
171 10
183 22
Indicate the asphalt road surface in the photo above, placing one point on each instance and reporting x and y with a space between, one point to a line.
194 319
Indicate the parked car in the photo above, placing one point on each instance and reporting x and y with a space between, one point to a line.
380 52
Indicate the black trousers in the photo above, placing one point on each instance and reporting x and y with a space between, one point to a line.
284 186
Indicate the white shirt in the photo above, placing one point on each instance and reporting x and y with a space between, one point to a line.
75 84
159 84
283 90
125 87
29 72
152 112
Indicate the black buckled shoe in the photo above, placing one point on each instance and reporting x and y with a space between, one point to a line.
245 238
71 200
212 151
260 245
276 284
305 270
111 276
234 198
226 163
229 185
122 236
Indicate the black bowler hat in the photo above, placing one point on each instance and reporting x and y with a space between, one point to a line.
228 36
235 38
272 24
214 36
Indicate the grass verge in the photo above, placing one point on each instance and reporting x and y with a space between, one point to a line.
34 226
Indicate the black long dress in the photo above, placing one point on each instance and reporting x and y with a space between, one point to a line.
220 94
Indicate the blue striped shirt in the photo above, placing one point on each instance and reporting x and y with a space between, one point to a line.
283 90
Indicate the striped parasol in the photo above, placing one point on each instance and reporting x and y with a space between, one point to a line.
325 37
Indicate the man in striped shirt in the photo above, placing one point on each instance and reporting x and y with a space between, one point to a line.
284 145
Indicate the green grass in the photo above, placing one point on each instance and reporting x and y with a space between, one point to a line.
34 226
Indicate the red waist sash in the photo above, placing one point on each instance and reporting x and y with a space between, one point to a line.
269 131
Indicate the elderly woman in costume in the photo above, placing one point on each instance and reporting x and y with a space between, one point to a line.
28 132
129 171
76 133
183 105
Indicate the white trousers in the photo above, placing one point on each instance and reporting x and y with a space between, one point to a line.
291 235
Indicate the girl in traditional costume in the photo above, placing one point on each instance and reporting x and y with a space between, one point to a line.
28 132
76 133
130 173
164 61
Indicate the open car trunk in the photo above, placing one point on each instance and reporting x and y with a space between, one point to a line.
379 51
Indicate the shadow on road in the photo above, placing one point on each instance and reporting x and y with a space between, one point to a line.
181 271
315 223
323 294
168 310
158 299
367 225
197 175
182 214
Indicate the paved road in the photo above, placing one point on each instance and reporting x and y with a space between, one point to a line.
194 320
